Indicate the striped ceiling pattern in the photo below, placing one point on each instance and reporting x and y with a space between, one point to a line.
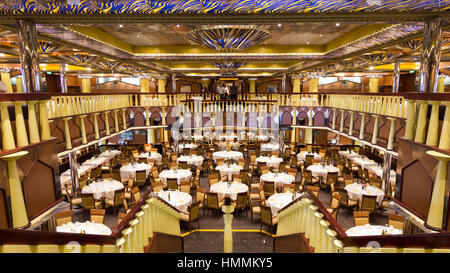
217 6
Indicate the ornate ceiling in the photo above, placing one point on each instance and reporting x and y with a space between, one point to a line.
297 37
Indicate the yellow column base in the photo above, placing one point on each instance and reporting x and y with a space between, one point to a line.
67 133
8 142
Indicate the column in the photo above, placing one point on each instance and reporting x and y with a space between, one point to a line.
431 55
375 129
32 123
252 85
18 209
144 84
151 133
19 86
43 120
396 77
373 84
83 129
21 130
421 121
147 116
410 119
228 231
314 85
124 118
29 56
8 142
441 83
6 78
294 122
341 126
334 119
107 123
85 84
161 84
165 133
363 124
436 210
444 142
309 131
386 175
391 134
350 128
67 133
295 84
433 126
97 134
116 121
63 77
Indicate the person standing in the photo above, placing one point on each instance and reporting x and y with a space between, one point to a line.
234 91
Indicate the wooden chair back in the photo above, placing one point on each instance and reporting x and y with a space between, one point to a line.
63 217
97 215
172 183
360 218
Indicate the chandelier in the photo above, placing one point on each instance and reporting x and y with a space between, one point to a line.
228 38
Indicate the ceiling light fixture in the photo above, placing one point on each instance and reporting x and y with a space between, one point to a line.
178 25
371 68
120 25
279 25
337 24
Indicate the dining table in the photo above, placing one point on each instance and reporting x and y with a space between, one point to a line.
155 155
85 228
302 156
228 189
271 161
229 170
178 199
372 230
234 155
110 154
270 147
278 178
356 191
103 188
180 174
321 171
278 201
196 160
129 170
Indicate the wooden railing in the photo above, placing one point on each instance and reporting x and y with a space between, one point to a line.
148 216
308 216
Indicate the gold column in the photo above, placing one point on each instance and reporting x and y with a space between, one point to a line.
375 129
67 133
145 87
314 85
433 126
363 124
85 85
421 121
294 122
6 78
444 142
334 119
441 84
107 123
165 133
436 210
309 131
410 117
161 85
116 121
228 231
373 85
391 133
295 84
32 123
8 142
18 209
124 118
19 86
151 133
97 134
43 120
341 126
350 128
252 85
21 130
147 116
83 129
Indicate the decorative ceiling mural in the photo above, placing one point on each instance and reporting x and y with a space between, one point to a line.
77 58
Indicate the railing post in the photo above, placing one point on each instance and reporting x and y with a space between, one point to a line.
375 129
67 133
421 122
43 120
8 142
410 119
433 125
83 129
32 123
97 134
444 142
21 130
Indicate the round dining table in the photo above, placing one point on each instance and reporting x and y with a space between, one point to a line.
234 155
271 161
372 230
355 191
270 147
302 156
181 175
321 171
94 162
278 178
191 146
103 188
280 200
155 155
229 170
226 189
364 162
178 199
129 170
196 160
349 154
85 227
110 154
224 145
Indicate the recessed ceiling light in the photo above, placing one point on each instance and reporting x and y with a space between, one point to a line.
320 35
371 68
178 25
120 25
279 25
2 54
88 69
337 24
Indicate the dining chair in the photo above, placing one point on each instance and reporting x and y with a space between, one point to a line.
345 200
360 218
200 195
267 218
172 183
288 188
213 202
397 221
63 217
269 188
185 186
368 203
334 205
191 215
255 208
116 201
241 202
141 178
314 190
157 186
310 179
107 176
97 216
88 202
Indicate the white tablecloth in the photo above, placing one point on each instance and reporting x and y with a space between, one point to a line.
198 137
372 230
227 155
110 154
180 174
187 146
271 161
269 147
348 154
129 170
379 172
94 162
227 137
86 227
229 170
302 156
279 200
356 192
279 179
65 177
223 145
224 189
154 155
319 171
262 138
196 160
104 188
180 200
363 161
